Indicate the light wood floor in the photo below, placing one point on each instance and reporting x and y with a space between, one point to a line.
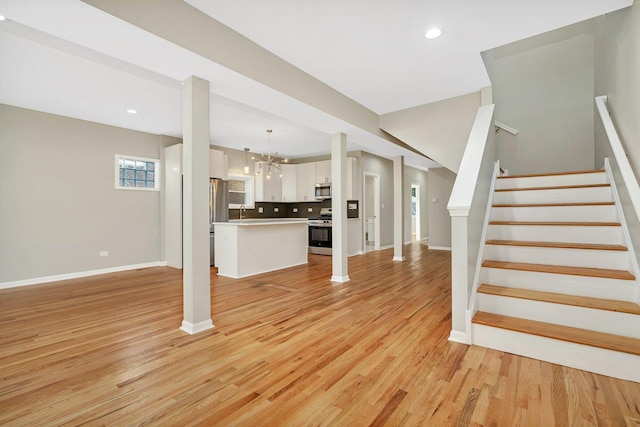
289 349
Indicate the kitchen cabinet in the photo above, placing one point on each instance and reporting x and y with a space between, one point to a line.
218 164
323 171
289 183
305 182
268 189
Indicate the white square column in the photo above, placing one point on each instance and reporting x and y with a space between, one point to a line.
339 247
398 207
196 279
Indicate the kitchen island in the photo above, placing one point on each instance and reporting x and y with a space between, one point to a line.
253 246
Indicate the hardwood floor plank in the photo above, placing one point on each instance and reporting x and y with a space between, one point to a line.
288 348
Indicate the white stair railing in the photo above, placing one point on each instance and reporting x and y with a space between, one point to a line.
467 207
625 183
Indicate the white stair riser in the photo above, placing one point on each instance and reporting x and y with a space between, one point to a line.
594 287
600 213
606 362
617 260
553 180
567 195
554 233
610 322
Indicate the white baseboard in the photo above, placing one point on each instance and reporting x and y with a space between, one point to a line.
194 328
458 336
382 248
340 279
59 277
440 248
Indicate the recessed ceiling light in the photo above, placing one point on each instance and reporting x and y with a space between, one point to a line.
2 18
132 111
433 33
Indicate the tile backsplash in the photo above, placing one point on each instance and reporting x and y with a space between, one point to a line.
289 210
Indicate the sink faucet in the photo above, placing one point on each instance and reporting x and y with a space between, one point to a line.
242 209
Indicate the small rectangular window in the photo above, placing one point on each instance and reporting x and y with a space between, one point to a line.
241 191
136 173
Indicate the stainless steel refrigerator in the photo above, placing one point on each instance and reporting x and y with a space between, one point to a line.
218 210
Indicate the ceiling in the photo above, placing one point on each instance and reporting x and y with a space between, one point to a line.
67 57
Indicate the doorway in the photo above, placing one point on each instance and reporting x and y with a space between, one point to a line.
371 232
415 213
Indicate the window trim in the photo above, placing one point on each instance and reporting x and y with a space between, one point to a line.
249 191
156 171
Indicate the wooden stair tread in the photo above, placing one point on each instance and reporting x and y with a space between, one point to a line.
559 187
561 269
558 223
564 333
536 175
552 205
564 245
574 300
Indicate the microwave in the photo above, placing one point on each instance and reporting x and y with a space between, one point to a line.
323 191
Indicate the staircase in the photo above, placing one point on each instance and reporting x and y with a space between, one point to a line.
555 283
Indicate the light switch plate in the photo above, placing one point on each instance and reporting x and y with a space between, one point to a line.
434 200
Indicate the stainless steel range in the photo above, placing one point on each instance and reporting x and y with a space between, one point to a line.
320 233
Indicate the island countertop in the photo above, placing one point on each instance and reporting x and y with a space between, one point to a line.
262 221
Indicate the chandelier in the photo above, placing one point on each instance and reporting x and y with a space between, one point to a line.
270 164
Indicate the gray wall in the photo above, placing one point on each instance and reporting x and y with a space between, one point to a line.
440 184
59 206
416 176
543 86
617 75
384 168
440 130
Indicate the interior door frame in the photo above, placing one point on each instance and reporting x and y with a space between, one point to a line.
376 210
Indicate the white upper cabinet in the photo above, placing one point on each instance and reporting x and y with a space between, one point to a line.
218 164
305 182
268 189
289 183
323 171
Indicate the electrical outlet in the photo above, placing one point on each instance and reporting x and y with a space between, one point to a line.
295 210
104 253
434 200
260 210
309 210
276 210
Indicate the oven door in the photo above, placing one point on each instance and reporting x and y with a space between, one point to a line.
320 239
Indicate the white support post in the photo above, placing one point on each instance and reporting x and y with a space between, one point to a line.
339 247
195 238
398 207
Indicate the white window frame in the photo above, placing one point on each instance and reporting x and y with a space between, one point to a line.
156 171
249 191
